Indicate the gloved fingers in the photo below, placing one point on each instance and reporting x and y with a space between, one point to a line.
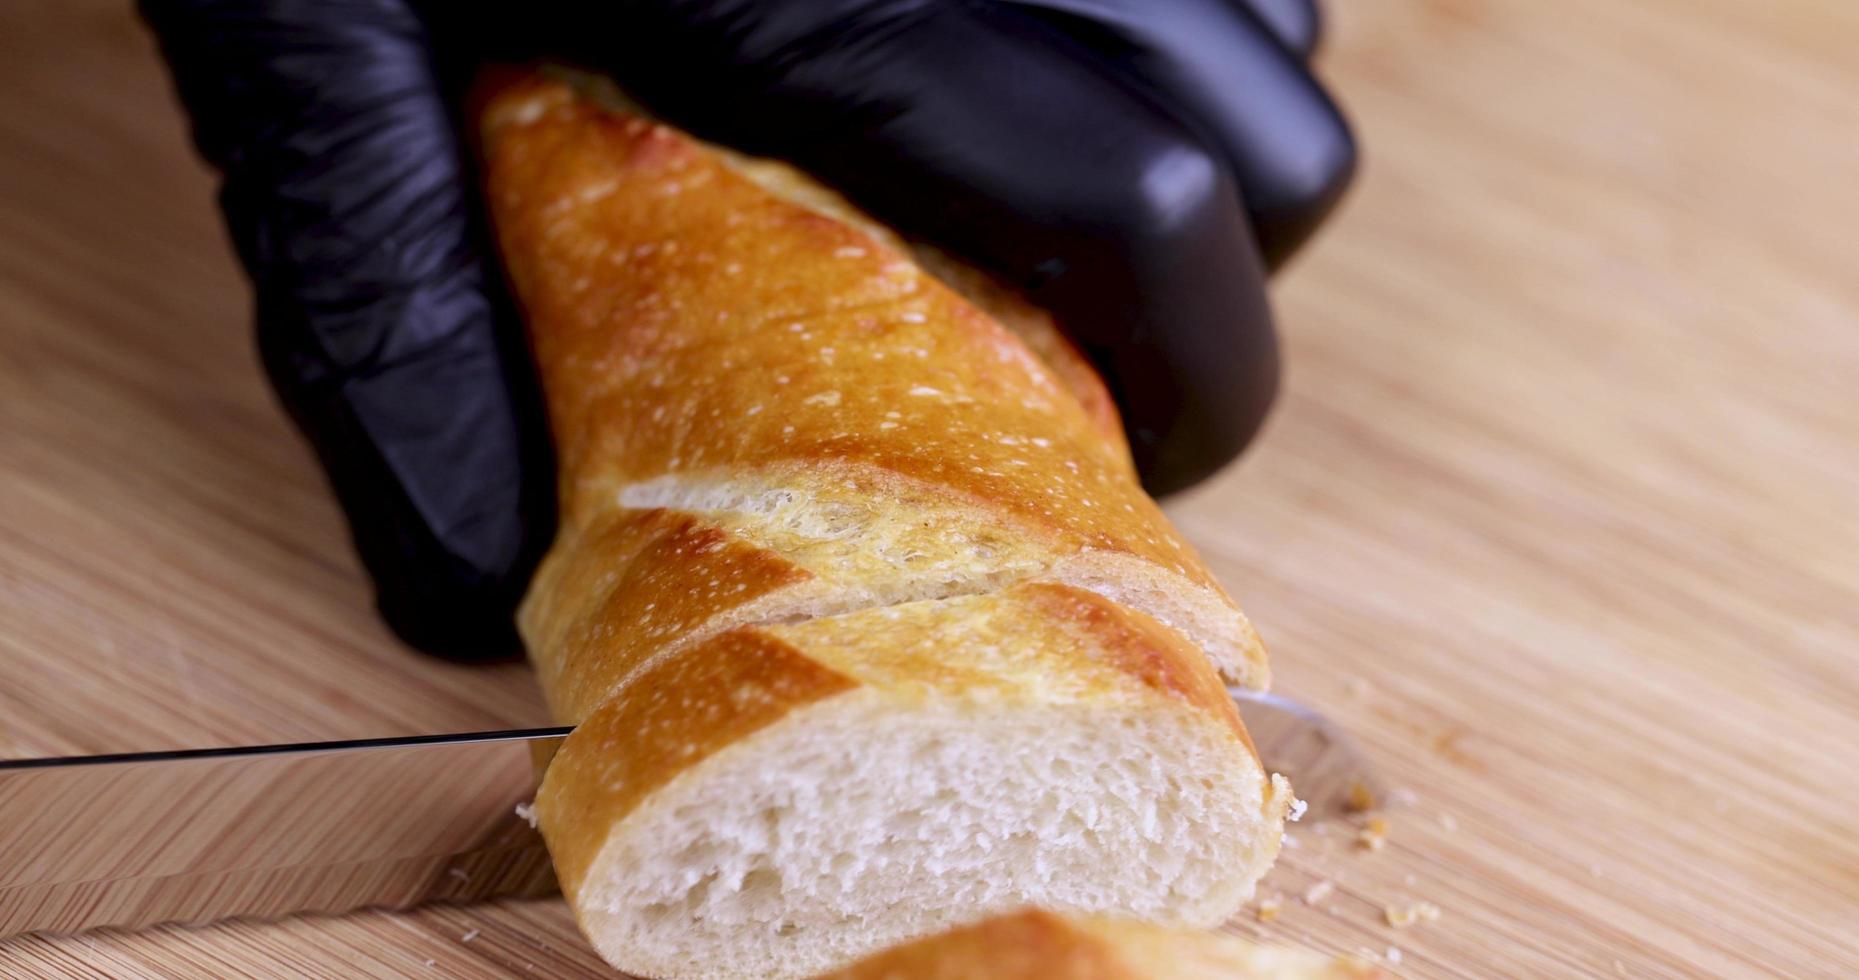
1217 65
348 198
986 132
1296 24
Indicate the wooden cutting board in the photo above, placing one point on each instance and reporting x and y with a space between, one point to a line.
1560 510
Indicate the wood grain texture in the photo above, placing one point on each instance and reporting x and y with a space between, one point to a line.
1560 509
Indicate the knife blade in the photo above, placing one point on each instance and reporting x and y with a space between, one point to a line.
192 836
136 840
1326 767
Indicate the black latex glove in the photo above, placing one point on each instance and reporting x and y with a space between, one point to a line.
1134 165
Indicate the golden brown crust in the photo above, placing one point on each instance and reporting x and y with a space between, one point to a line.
1031 641
1039 945
686 319
1035 328
1141 648
1031 945
631 583
689 324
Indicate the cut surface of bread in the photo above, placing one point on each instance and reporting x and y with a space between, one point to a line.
865 623
1039 945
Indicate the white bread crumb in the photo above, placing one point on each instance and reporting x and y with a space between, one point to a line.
1400 917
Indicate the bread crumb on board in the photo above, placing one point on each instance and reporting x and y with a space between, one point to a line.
469 936
1318 891
1361 798
1374 834
1402 916
528 812
1269 909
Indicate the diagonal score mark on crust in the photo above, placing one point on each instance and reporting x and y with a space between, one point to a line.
915 543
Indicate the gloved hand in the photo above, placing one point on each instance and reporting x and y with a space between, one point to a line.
1135 165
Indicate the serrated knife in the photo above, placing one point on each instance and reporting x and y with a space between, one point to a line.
129 841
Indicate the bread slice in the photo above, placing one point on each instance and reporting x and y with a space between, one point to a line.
866 624
779 799
1038 945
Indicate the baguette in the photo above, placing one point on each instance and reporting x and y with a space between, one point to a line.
1038 945
863 619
